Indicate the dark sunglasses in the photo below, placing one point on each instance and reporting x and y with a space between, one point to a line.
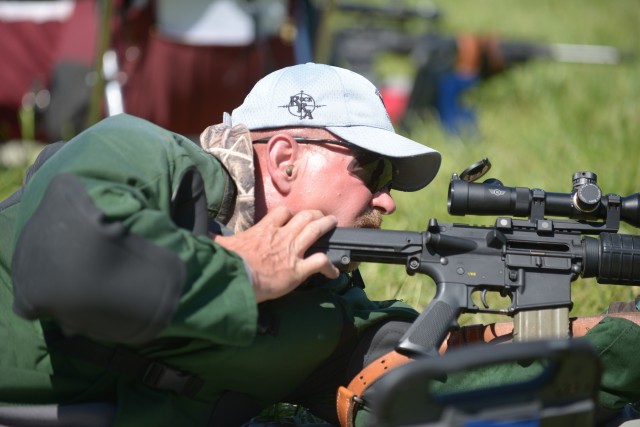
376 172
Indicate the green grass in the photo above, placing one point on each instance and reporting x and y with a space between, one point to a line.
10 180
538 124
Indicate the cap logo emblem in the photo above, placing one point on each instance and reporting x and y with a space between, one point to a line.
301 105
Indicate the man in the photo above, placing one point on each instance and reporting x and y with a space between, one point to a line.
172 282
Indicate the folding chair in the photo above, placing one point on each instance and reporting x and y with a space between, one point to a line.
562 394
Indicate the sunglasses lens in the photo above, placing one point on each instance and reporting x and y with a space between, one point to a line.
376 173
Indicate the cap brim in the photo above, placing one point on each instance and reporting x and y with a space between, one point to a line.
416 163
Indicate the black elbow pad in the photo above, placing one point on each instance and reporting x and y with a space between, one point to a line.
93 277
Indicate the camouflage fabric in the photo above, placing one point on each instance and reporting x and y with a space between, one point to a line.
232 145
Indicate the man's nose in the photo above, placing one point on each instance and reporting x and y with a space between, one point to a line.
383 201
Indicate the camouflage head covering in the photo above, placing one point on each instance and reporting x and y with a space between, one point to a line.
234 148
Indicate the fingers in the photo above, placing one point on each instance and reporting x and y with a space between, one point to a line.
309 226
305 228
277 216
319 263
274 249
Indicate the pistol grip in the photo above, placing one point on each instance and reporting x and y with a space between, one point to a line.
440 317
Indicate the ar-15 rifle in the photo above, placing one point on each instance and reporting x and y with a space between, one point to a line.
532 261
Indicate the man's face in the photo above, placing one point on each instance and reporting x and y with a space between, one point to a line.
330 179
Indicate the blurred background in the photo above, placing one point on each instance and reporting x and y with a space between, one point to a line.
543 89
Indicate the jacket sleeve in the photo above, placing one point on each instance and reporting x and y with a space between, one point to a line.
99 249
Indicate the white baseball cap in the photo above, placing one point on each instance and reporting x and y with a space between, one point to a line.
344 103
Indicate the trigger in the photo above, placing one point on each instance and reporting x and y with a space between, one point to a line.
483 298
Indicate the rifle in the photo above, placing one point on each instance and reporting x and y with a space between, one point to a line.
449 66
531 261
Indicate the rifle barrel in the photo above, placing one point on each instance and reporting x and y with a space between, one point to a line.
584 54
514 52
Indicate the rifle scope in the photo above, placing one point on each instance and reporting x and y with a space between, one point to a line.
584 202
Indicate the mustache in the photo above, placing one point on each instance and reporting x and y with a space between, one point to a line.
372 218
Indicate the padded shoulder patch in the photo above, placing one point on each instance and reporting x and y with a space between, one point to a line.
93 277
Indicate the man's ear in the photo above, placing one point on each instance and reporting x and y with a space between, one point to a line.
282 153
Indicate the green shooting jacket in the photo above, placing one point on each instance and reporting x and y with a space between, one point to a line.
174 296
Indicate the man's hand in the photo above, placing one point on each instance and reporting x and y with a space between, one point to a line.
274 250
